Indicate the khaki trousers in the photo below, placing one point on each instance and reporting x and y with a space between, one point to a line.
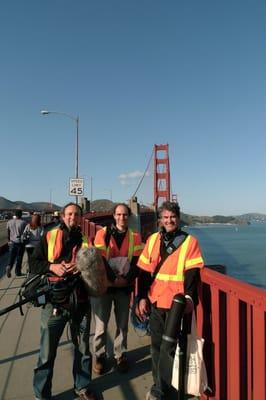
101 308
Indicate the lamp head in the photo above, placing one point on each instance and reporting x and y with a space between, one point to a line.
45 112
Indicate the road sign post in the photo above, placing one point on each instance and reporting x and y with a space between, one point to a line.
76 186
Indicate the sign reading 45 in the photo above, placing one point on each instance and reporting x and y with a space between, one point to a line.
76 186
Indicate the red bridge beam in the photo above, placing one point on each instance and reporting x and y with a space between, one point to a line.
161 174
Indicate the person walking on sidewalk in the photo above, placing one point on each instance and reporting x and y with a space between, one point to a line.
55 219
56 255
15 228
120 248
170 264
32 235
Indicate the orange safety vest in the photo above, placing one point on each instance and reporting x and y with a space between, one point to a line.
170 279
131 246
55 243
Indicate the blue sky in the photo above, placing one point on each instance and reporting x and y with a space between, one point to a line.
138 73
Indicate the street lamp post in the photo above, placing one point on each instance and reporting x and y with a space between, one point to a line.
76 119
51 199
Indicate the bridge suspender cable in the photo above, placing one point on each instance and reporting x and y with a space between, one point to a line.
140 182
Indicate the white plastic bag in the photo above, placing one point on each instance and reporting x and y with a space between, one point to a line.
196 381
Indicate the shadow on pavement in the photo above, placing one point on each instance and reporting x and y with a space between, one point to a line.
138 367
30 353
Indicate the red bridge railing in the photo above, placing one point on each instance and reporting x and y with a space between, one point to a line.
231 318
89 228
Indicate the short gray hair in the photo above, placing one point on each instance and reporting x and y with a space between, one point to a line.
169 206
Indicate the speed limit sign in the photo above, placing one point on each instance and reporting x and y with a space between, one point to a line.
76 186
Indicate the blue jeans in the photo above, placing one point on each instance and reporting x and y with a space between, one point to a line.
16 251
52 328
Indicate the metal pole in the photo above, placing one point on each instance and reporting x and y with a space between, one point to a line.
46 112
51 199
91 188
77 153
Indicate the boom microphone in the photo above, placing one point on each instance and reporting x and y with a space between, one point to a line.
174 319
172 334
91 266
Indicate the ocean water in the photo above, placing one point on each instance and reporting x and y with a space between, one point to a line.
241 248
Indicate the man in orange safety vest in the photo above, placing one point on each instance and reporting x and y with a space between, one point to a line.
120 247
56 255
170 264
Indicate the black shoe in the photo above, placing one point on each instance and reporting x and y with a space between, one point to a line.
85 394
122 365
99 365
8 271
149 396
20 274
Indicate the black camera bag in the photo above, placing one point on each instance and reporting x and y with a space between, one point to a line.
34 286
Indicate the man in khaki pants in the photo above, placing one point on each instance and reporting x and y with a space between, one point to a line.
120 248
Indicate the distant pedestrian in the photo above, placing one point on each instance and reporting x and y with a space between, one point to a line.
32 235
15 229
56 219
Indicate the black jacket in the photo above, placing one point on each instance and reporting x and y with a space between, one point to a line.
71 239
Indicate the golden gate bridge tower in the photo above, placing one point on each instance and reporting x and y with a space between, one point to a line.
161 174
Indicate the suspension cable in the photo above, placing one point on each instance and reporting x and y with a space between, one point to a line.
140 182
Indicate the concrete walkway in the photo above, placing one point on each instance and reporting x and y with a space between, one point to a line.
19 346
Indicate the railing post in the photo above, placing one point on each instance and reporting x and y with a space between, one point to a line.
215 305
233 345
259 368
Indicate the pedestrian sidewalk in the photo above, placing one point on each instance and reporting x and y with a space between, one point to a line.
19 346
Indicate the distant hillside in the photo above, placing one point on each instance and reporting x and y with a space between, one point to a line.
96 205
37 206
216 219
252 217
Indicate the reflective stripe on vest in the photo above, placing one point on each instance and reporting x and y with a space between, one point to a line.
151 243
84 244
179 274
139 247
193 261
54 241
51 239
103 245
130 246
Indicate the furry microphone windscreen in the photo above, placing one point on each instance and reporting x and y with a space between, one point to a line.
91 266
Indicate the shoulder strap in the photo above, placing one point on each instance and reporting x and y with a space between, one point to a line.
176 243
178 240
108 236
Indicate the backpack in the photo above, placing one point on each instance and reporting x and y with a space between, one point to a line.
25 238
34 288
